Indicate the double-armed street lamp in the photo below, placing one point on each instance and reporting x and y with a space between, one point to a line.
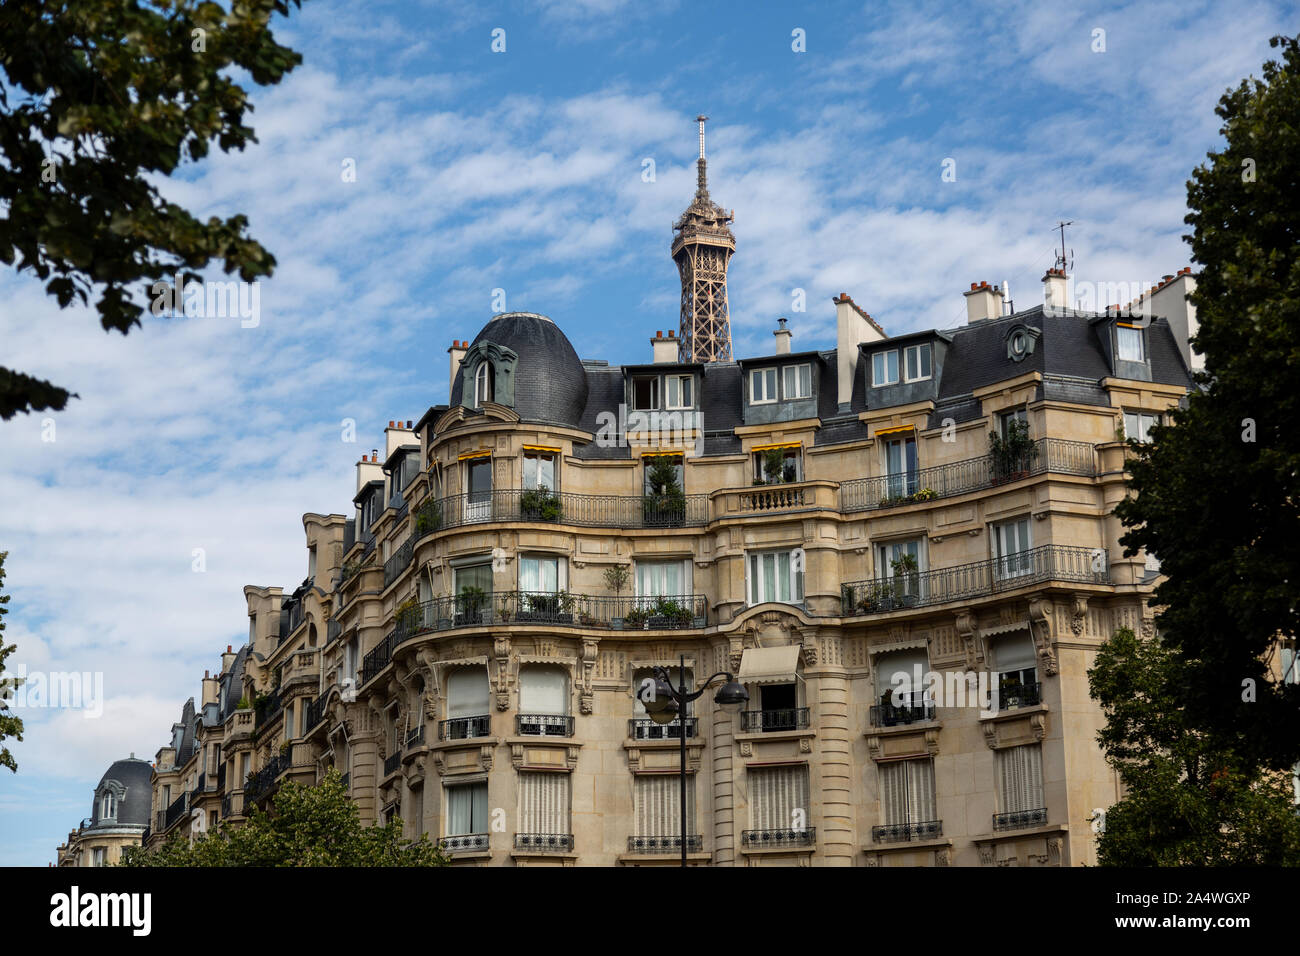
665 703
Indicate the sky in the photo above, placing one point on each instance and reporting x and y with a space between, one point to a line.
409 176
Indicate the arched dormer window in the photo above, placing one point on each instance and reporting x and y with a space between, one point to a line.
107 805
484 382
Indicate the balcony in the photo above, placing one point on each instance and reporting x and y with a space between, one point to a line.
1049 562
893 715
316 711
392 762
550 842
643 728
399 561
543 725
464 728
267 708
465 843
903 832
664 844
774 499
1053 455
176 812
1019 695
774 721
415 736
259 783
592 611
778 839
1020 819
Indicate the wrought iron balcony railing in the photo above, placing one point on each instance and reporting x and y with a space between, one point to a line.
1020 819
1049 562
543 725
176 811
464 728
664 844
1054 455
1023 694
543 841
771 721
643 728
259 783
415 736
779 838
465 842
316 712
268 708
894 715
392 762
902 832
597 611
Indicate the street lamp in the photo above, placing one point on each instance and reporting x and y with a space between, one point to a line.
665 703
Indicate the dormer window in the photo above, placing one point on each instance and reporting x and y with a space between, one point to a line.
107 806
1128 344
680 391
916 363
884 368
645 393
484 377
762 386
797 381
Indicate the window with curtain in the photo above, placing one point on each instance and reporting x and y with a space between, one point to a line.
467 693
467 808
762 386
543 802
884 368
108 806
540 573
1012 541
1138 425
656 579
916 363
1020 778
474 576
797 381
1128 341
657 805
484 383
543 690
775 576
775 793
539 470
892 566
900 466
680 391
907 792
97 856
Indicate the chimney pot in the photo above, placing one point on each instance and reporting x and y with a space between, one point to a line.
229 648
671 333
390 423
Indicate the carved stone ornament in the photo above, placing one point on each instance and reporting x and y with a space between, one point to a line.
590 651
501 652
1079 614
943 856
1040 626
1054 847
969 635
987 853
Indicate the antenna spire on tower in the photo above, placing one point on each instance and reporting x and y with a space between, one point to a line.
1061 261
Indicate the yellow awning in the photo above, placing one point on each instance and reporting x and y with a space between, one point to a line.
769 665
481 453
895 430
548 448
784 444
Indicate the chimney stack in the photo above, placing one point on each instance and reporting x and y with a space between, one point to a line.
664 346
852 328
457 353
783 336
983 301
1056 290
1169 301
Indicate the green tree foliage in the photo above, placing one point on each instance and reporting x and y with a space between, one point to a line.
99 97
1188 801
10 726
1217 496
309 826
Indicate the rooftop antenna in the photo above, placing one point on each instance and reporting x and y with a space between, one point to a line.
1061 260
701 119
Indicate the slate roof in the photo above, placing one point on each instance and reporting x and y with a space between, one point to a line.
133 808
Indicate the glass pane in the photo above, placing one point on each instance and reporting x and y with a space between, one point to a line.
892 359
480 479
769 576
686 392
878 368
805 380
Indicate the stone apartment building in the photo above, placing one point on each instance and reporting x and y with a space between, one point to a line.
860 535
119 816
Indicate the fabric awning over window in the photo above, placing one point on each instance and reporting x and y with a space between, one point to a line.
769 665
1014 653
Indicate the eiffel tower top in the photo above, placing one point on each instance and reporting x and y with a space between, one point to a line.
703 219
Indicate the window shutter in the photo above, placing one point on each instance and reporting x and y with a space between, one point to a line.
543 690
900 662
658 805
1014 654
543 802
467 693
774 794
1020 775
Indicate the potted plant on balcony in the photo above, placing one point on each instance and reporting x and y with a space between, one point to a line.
505 608
470 603
1012 453
636 619
286 748
616 578
539 504
907 579
428 518
925 494
667 612
407 617
665 505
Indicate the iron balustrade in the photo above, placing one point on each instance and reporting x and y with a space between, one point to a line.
664 844
778 838
415 736
268 708
316 711
543 841
894 715
643 728
392 762
464 728
1020 819
464 842
902 832
259 783
908 589
543 725
1019 694
1054 455
770 721
399 561
597 611
176 811
333 630
221 776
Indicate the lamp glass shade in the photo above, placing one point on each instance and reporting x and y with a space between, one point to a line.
731 696
665 712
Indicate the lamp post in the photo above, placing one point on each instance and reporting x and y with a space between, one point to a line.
665 703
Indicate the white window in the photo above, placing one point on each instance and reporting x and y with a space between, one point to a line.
900 681
540 574
790 465
900 466
645 393
884 368
655 579
1290 665
472 585
907 792
657 801
778 798
899 565
543 690
288 721
543 802
1020 778
762 386
97 856
1129 342
483 384
776 576
108 806
680 391
467 809
539 470
1138 425
1011 539
798 381
916 363
311 562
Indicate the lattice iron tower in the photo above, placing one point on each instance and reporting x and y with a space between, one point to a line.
702 249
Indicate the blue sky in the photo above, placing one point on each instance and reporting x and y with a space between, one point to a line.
522 171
